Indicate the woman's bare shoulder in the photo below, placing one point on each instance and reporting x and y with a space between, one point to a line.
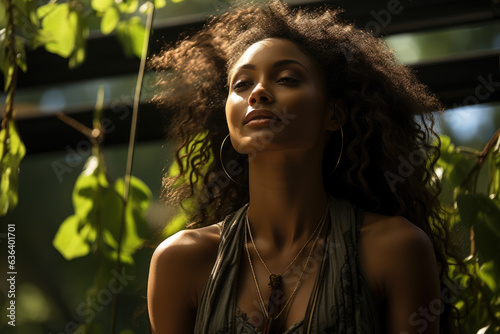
388 245
191 243
191 251
391 230
179 269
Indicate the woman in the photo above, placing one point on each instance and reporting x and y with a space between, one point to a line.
314 213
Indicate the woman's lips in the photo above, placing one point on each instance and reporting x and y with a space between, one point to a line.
260 117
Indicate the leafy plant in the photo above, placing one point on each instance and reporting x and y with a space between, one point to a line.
62 28
479 213
100 208
12 150
107 222
109 219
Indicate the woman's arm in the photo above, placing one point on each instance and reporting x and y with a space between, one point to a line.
179 269
412 283
399 263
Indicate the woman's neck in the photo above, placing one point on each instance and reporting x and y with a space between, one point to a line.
287 197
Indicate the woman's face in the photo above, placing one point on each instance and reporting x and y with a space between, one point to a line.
276 99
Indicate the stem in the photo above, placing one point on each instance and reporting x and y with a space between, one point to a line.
472 242
474 173
481 158
83 129
130 154
11 50
465 149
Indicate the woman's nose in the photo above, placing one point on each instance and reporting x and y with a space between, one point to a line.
260 95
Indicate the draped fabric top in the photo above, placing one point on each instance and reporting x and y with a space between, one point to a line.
341 301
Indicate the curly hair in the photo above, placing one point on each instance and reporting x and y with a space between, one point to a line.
390 147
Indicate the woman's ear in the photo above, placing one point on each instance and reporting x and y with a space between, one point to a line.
336 113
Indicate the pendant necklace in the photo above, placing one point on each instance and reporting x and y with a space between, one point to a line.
275 307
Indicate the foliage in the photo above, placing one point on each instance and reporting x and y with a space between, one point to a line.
479 213
109 222
12 151
98 205
109 219
188 206
62 27
105 225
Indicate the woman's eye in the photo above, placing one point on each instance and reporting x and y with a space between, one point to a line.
287 80
240 84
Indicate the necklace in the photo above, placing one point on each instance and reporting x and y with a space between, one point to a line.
270 310
275 280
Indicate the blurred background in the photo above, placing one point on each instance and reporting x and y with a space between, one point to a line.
453 46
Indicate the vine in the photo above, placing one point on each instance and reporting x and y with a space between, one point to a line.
479 213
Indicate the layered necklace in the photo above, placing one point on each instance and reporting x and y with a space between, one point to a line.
278 303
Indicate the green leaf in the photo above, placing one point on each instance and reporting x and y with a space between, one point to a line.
5 66
21 54
177 1
456 166
3 18
129 6
126 331
487 242
176 224
59 28
447 148
137 32
109 20
482 213
85 189
491 212
131 35
458 171
139 200
102 5
160 3
93 328
82 31
489 274
108 209
25 20
494 186
95 201
139 193
45 10
12 151
68 240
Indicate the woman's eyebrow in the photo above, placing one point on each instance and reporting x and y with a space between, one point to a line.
279 63
288 61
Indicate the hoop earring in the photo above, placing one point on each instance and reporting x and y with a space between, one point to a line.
222 163
341 150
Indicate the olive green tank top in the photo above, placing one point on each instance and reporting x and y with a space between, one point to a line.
341 301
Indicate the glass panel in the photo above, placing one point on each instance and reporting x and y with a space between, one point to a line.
446 43
78 96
